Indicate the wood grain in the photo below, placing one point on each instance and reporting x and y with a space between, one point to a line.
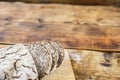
79 27
95 65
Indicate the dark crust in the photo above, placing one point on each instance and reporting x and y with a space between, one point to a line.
41 52
60 51
53 53
47 56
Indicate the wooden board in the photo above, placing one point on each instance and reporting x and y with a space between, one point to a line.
64 72
85 2
79 27
95 65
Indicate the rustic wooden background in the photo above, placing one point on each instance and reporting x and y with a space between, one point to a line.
78 27
86 29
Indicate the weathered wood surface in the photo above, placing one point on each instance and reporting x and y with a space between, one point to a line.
80 27
94 65
86 2
64 72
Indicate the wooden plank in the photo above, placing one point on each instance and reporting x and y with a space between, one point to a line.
3 46
86 2
59 13
80 27
64 72
76 36
95 65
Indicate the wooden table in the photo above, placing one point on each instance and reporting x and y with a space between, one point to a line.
76 27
